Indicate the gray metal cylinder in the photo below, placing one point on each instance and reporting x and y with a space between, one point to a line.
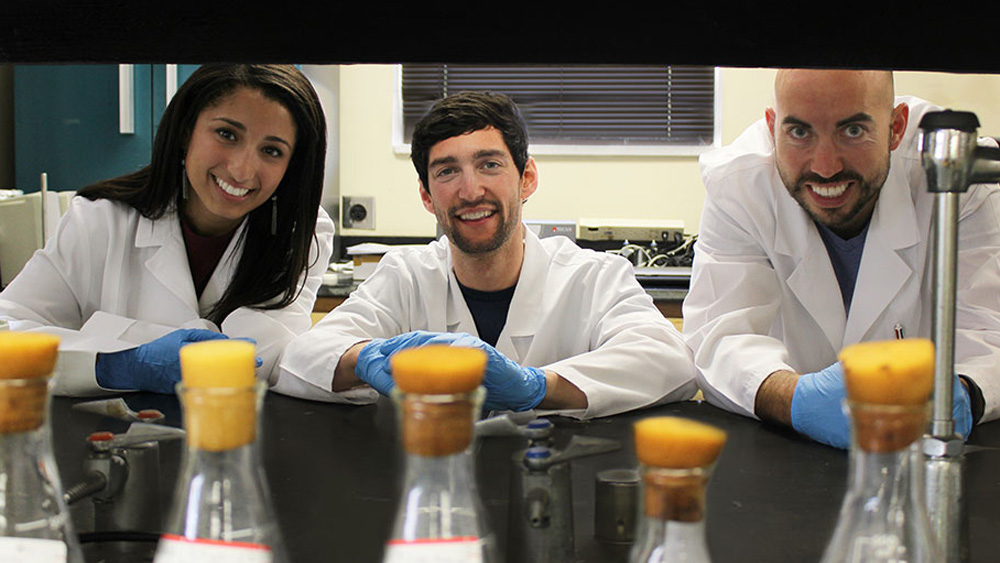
616 505
946 503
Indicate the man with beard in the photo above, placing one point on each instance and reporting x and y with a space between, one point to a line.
816 234
564 328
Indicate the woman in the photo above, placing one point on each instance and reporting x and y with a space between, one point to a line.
222 235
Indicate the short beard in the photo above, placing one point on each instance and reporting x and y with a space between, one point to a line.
842 222
499 238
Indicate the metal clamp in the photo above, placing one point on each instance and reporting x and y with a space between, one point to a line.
943 448
952 160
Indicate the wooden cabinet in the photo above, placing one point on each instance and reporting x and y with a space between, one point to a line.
671 308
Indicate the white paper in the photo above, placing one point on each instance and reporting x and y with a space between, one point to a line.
32 550
364 270
376 248
174 549
457 550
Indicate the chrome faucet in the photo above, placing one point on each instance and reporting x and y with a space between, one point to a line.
540 524
122 480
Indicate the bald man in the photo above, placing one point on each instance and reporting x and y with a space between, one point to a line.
816 234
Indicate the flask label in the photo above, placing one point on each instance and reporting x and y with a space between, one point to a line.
177 549
32 550
464 549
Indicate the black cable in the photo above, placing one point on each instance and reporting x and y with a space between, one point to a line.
124 535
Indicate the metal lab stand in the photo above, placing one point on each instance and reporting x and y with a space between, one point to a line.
952 160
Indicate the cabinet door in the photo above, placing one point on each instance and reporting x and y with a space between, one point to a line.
66 124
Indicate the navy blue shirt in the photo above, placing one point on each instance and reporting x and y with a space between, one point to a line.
845 256
489 311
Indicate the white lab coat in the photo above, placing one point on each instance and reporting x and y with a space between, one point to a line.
764 296
579 313
111 279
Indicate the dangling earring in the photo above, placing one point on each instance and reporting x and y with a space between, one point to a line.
274 215
185 183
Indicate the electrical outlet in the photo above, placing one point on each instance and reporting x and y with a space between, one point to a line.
358 212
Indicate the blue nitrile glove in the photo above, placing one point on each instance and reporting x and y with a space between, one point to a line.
258 361
509 387
817 407
373 360
153 366
961 409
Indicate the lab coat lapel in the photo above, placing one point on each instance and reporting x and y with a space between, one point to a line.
525 311
883 270
812 279
223 272
168 264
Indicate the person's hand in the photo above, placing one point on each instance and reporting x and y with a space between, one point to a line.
508 385
817 407
373 361
961 408
153 366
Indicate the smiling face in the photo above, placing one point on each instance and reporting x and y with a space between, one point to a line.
833 133
238 153
476 191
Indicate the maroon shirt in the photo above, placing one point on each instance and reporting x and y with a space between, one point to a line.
203 254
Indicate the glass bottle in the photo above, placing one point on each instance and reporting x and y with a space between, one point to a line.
672 527
884 514
221 509
676 460
35 526
440 517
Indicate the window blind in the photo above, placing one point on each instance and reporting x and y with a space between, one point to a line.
617 105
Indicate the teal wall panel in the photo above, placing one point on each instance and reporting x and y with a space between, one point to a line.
66 124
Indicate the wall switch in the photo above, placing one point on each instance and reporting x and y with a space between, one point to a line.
358 212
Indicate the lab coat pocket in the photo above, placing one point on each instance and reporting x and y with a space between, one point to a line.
521 346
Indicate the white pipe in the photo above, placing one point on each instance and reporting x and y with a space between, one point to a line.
126 99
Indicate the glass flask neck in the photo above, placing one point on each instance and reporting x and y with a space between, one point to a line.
221 501
672 523
884 515
437 425
440 516
886 476
883 461
221 418
663 541
441 486
440 512
221 497
34 519
26 402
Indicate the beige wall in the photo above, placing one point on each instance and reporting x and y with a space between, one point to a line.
583 186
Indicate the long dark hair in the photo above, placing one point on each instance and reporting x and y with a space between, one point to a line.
271 270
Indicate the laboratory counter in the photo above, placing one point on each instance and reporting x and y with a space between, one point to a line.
667 286
334 473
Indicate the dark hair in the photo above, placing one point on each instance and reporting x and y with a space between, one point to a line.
463 113
271 266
